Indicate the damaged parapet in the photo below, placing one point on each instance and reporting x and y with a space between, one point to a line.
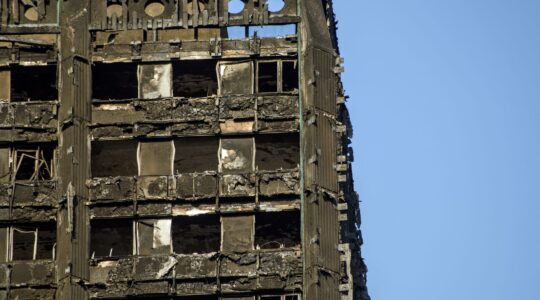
175 149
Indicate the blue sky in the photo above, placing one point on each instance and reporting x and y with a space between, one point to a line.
445 101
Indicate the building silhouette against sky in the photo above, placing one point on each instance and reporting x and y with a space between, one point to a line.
175 149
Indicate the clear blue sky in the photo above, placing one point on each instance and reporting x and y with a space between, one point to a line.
445 101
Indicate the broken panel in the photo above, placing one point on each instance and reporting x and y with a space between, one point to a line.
114 158
155 81
237 233
31 242
277 230
33 83
235 78
154 237
155 158
34 162
111 238
196 154
5 165
114 81
196 234
236 155
280 151
5 86
194 78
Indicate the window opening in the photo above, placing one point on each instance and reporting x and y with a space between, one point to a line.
237 32
272 30
114 81
277 76
236 78
196 154
290 76
36 163
111 238
275 5
155 81
236 155
114 158
194 78
156 158
236 6
31 242
196 234
268 77
154 237
280 151
33 83
277 230
237 234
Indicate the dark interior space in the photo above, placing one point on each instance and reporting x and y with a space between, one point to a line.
197 234
46 240
24 239
194 78
33 83
289 73
35 162
114 81
268 77
23 243
277 151
274 230
111 238
114 158
196 154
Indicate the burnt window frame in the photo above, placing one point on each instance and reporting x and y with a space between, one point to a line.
145 222
10 231
17 155
279 76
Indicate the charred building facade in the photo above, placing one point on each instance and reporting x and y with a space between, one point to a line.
175 149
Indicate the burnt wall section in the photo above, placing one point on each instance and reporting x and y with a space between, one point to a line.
73 117
175 149
229 275
124 15
332 214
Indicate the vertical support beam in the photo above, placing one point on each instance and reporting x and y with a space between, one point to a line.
74 116
321 224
